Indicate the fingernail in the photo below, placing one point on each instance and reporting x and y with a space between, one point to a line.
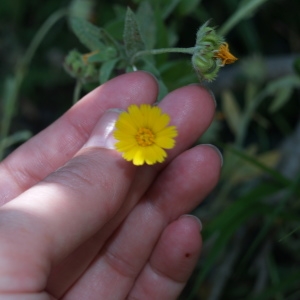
218 151
212 95
102 135
152 75
194 218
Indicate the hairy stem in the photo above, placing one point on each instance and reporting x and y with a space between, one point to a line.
190 50
77 91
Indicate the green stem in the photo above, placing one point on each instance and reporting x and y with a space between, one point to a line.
56 16
243 11
21 71
190 50
77 91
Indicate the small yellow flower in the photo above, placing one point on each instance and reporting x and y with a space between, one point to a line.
224 54
142 134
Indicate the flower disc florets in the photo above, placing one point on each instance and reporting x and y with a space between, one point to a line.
142 134
211 53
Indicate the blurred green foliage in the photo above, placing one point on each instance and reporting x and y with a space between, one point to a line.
252 219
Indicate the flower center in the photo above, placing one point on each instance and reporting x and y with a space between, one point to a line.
145 137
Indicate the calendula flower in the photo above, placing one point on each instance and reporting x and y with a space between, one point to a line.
211 53
142 134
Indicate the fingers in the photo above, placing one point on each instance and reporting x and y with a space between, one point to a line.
73 203
177 190
189 179
191 109
171 263
53 147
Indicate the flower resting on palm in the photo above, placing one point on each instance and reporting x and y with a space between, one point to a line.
142 134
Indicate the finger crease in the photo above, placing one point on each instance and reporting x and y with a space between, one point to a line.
120 265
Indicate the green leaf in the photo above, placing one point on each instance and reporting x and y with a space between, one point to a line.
186 7
107 39
168 7
8 105
145 18
232 219
281 98
106 70
87 33
231 110
287 81
288 283
18 137
275 175
150 67
237 170
132 36
81 8
115 26
103 55
162 36
243 208
282 89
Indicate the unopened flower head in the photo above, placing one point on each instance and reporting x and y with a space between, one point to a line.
211 53
142 134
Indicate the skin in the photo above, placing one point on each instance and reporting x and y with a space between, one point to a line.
77 220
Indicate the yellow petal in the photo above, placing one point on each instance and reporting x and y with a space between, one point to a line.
138 158
161 123
136 117
160 153
124 146
170 132
166 143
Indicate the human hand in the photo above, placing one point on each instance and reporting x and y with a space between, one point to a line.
77 221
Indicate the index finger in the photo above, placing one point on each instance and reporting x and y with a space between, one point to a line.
54 146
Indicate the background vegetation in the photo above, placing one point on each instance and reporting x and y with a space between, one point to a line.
252 219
